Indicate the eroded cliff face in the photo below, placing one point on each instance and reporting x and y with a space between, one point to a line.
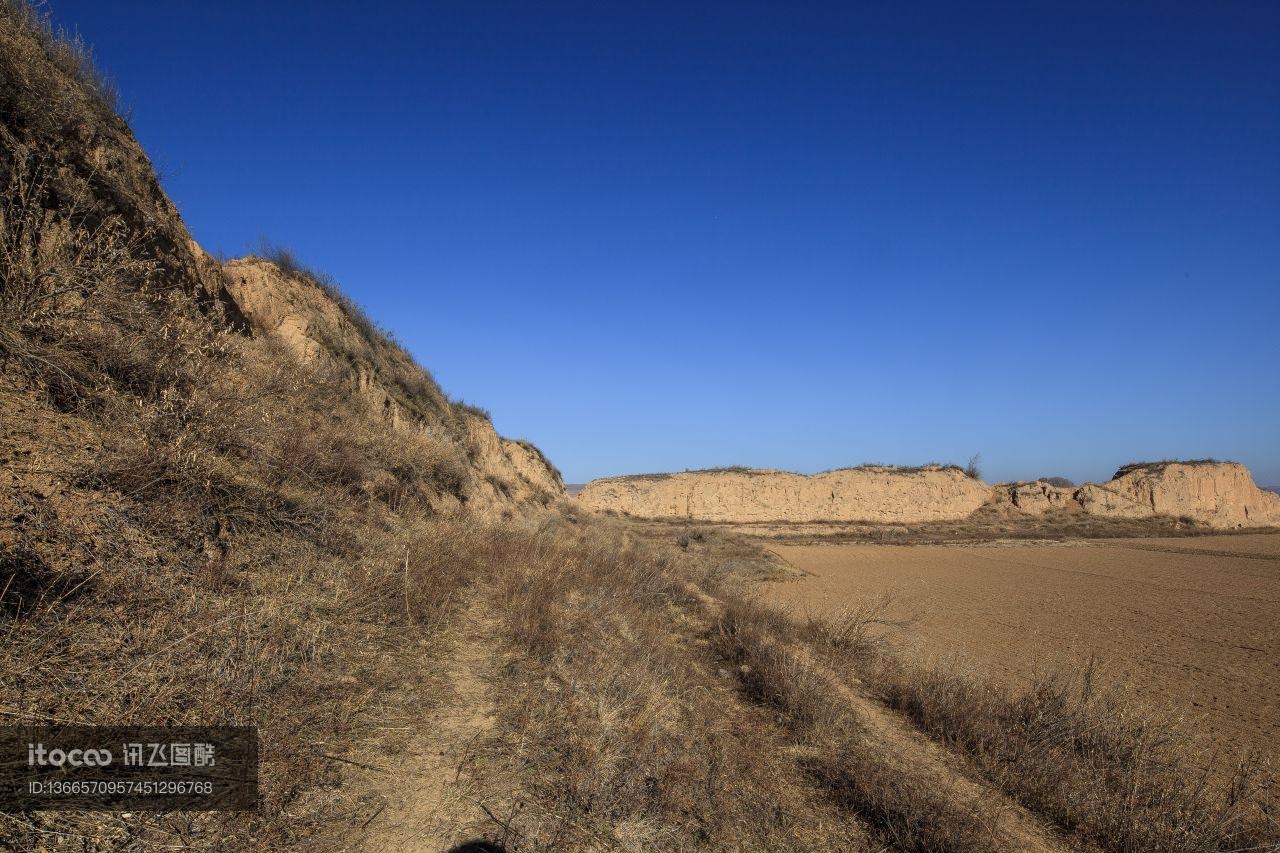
1034 498
510 468
854 494
310 323
529 462
1220 494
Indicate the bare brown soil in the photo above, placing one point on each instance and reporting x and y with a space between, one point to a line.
1188 623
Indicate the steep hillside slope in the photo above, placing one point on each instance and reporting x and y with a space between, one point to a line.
225 496
101 275
870 493
311 319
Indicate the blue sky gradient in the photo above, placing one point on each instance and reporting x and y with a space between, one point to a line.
663 236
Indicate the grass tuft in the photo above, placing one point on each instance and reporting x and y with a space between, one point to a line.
1156 467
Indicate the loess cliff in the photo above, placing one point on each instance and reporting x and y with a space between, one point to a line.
871 493
1220 494
1217 494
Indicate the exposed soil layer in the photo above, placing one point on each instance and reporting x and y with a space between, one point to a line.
1220 495
1189 623
875 493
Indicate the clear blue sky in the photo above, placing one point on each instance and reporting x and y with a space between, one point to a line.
663 236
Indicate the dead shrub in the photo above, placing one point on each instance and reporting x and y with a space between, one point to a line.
68 51
860 631
973 470
62 268
416 583
754 638
82 306
909 813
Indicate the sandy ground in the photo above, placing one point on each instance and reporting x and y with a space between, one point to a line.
1192 624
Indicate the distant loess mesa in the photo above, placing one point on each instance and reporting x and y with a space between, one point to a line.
1215 494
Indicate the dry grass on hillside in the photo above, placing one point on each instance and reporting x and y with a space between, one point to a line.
68 51
378 350
907 808
1086 758
206 559
615 730
1161 465
1083 755
196 528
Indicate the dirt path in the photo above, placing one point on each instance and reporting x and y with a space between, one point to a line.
428 807
903 745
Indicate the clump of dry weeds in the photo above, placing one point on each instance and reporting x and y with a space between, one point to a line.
1083 755
1086 757
909 809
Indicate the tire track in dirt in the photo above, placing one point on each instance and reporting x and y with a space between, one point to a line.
1197 552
